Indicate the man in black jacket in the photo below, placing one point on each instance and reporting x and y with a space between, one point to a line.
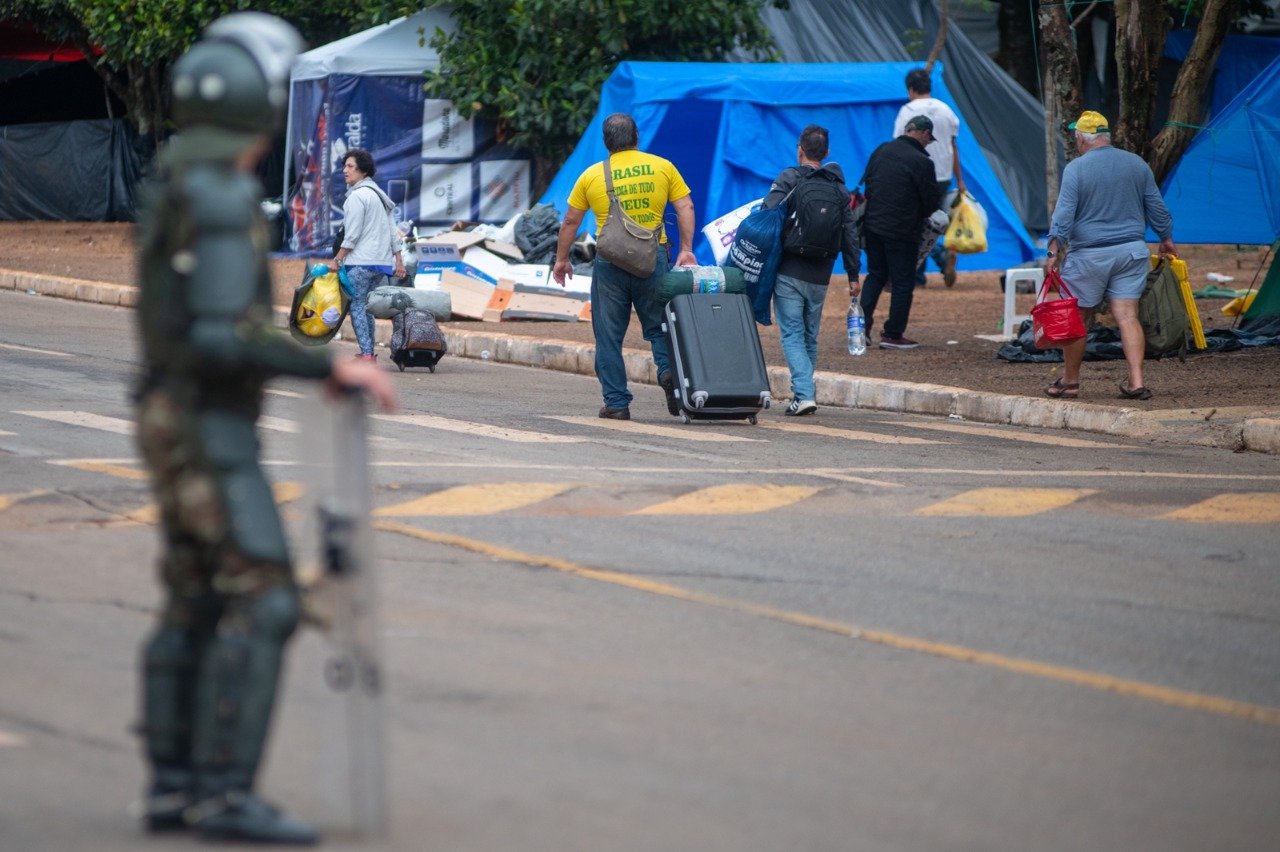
901 193
819 226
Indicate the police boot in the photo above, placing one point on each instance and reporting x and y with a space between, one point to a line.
170 794
237 686
240 815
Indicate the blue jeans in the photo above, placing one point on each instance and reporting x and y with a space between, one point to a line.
362 280
613 292
890 262
798 306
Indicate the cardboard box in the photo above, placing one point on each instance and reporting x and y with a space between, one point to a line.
433 268
507 251
470 298
448 246
498 302
535 306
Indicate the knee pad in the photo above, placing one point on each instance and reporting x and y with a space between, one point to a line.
238 682
170 660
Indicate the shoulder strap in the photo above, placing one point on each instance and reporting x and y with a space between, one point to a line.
608 178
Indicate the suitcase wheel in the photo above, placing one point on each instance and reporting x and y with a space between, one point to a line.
431 367
752 420
685 418
400 365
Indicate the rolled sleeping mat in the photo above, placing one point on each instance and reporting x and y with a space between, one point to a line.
386 302
700 279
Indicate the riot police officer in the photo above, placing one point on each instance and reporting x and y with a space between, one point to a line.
212 665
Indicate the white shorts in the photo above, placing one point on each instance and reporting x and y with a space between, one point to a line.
1118 272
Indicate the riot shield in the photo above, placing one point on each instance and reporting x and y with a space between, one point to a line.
343 603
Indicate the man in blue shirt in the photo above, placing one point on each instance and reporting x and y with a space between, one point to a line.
1108 197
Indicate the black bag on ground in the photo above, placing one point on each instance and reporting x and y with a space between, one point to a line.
816 221
416 340
716 357
1162 312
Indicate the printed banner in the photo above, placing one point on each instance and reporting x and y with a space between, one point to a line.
435 166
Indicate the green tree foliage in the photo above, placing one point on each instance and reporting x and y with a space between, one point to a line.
535 67
131 43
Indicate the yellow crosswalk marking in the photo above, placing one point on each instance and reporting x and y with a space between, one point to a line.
1243 508
731 500
7 500
1005 502
485 499
1012 433
111 468
8 740
284 492
848 434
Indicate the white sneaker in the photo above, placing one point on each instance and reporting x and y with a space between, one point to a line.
801 407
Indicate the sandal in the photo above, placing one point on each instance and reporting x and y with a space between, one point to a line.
1127 392
1061 390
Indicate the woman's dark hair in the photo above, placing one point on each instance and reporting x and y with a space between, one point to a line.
364 161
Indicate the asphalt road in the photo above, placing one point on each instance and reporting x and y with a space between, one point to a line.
859 630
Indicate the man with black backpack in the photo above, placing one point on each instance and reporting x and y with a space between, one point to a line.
820 223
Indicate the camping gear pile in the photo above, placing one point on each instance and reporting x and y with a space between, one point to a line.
503 274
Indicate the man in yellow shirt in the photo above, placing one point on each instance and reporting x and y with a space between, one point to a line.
645 184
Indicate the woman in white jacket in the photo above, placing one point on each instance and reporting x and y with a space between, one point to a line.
371 248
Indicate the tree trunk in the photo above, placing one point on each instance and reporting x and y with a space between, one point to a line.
1141 27
1017 53
1061 88
944 20
1185 106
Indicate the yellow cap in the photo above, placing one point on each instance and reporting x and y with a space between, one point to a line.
1090 122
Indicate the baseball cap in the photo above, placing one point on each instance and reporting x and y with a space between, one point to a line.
1090 122
920 122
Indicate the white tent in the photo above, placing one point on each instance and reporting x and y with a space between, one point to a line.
365 91
388 50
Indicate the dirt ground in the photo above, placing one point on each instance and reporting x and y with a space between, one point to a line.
945 321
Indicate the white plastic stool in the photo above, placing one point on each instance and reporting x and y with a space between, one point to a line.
1011 278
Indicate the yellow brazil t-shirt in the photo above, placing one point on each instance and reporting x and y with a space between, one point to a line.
644 184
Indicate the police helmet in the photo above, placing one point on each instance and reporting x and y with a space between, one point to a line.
236 78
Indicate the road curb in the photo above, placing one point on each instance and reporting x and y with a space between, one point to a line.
1256 433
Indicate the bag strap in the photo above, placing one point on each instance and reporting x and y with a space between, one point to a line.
608 179
608 186
1053 278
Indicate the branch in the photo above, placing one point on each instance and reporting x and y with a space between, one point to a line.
944 20
1185 105
1080 20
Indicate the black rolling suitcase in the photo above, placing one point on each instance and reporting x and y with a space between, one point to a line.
416 340
715 351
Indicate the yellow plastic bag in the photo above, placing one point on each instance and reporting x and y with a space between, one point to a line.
966 234
320 309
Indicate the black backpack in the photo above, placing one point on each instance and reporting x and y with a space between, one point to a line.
816 221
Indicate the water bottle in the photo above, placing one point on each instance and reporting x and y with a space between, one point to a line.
857 329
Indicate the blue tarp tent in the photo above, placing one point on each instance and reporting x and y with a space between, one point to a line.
1241 59
730 128
1226 187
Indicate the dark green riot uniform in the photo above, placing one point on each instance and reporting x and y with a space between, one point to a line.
211 668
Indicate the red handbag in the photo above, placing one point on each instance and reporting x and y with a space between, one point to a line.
1057 322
